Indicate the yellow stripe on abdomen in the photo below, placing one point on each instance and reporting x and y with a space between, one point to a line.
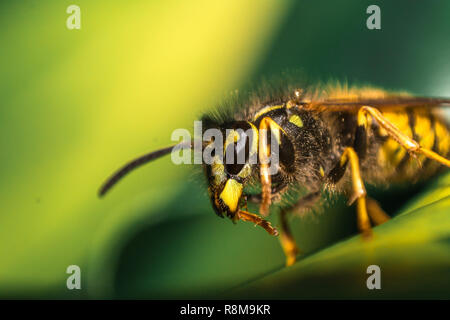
443 135
391 153
426 128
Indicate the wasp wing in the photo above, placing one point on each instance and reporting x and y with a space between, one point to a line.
391 102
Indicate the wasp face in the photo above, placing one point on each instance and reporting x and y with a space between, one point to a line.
231 166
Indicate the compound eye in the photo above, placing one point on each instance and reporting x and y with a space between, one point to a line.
237 155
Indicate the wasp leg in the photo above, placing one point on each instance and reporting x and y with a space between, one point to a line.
264 154
376 213
412 146
306 202
287 240
276 194
359 191
258 221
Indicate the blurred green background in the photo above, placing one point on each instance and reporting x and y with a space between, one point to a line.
76 104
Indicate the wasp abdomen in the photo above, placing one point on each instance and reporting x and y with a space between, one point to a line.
392 162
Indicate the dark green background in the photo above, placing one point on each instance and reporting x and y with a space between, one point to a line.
77 104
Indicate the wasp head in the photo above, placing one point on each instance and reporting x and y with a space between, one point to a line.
230 159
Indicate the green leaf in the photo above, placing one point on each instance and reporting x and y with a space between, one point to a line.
199 256
412 251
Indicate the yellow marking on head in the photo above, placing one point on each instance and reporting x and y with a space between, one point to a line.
265 110
296 120
218 170
231 194
232 137
322 173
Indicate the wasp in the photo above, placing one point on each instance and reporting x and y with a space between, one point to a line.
332 138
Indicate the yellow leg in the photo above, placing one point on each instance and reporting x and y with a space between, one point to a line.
247 216
409 144
264 154
287 241
376 214
359 191
305 203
